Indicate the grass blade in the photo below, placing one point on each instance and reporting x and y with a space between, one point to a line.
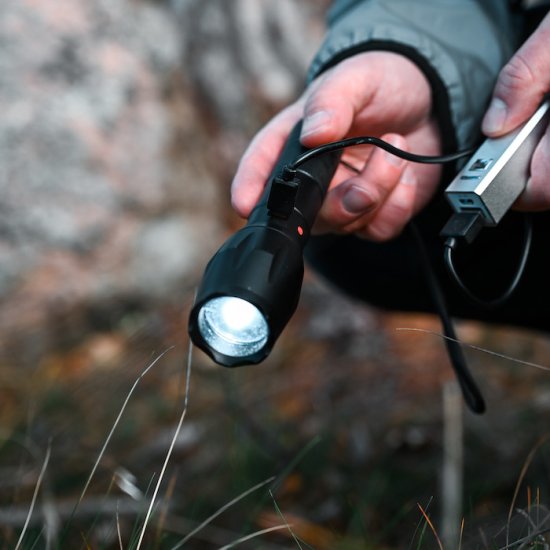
221 510
34 496
107 441
253 536
278 510
172 444
431 525
113 428
477 348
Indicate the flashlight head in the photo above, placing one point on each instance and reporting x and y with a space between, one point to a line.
232 326
249 292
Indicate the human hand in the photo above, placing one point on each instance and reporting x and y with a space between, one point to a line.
375 93
519 90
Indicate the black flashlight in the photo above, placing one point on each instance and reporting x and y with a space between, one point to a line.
251 287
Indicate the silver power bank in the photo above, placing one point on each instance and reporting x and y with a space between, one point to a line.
496 174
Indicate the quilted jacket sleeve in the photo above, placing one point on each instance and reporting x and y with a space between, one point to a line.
459 44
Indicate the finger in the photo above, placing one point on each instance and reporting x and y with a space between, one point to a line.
381 91
521 84
536 196
391 218
330 109
259 159
336 98
357 198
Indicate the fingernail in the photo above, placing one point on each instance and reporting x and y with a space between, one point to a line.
316 122
357 201
495 117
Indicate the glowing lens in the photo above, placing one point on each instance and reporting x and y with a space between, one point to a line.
233 326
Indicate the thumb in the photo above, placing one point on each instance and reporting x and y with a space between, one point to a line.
521 84
331 106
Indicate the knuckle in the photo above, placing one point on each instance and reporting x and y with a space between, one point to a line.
517 74
346 230
390 225
381 231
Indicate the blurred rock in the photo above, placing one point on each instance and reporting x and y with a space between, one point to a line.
122 123
176 244
84 174
253 53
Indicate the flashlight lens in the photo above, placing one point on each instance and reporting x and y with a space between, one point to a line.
233 326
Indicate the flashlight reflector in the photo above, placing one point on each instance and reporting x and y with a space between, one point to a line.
232 326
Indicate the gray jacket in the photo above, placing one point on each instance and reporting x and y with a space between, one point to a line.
459 44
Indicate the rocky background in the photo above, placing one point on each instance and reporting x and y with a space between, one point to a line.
121 124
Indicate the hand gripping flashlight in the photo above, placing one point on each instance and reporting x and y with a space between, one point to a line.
251 286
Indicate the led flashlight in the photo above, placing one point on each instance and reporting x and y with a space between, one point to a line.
233 326
251 286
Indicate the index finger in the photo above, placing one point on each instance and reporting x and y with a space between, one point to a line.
260 158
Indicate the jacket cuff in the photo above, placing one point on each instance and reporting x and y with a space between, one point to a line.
440 96
461 65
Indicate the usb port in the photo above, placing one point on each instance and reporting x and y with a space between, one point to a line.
481 164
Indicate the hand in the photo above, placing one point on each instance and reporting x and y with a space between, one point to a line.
375 93
519 90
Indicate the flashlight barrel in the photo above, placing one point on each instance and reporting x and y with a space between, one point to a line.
312 179
263 262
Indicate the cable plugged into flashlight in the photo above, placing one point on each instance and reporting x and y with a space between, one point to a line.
282 196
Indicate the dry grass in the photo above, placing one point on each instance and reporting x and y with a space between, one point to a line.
350 423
